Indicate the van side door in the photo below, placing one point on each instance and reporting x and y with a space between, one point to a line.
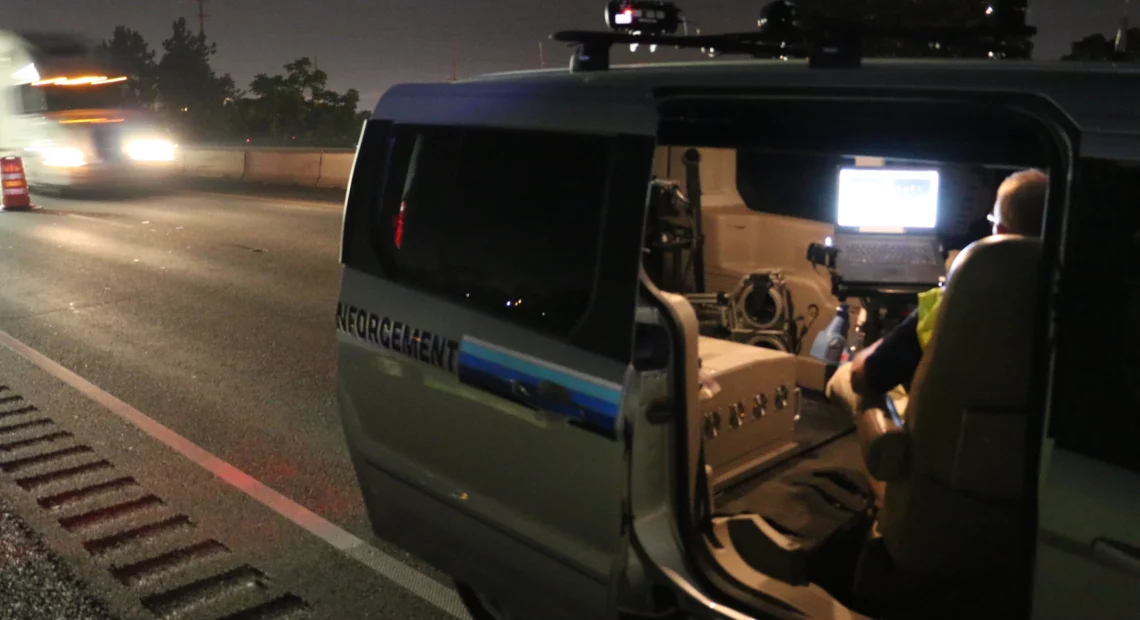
485 337
1088 551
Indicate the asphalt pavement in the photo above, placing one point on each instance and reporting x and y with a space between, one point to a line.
213 315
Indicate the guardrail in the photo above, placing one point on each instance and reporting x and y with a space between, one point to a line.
328 168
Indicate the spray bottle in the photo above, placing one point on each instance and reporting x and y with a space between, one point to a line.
831 342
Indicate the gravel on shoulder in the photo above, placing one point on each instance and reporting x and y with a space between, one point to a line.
34 583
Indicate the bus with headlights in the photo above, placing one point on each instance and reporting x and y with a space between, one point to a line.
73 119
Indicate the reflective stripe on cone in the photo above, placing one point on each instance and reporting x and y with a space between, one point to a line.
15 184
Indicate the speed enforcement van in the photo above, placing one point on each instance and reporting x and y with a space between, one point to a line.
575 329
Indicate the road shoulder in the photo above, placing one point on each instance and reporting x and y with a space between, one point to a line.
155 534
35 583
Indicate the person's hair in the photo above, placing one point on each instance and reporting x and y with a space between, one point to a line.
1021 202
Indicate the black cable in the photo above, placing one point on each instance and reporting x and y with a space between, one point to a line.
813 311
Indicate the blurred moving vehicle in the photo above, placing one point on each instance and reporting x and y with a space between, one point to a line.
572 371
72 119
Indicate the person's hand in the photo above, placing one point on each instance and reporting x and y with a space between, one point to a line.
841 393
858 376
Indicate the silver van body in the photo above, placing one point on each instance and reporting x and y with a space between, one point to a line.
540 468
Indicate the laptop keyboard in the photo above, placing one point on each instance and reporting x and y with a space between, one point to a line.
893 253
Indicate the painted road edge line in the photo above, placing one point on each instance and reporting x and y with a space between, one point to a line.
391 568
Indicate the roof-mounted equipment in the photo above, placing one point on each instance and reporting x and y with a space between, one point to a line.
780 18
643 16
785 32
629 21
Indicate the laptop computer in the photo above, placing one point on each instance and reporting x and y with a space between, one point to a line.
886 226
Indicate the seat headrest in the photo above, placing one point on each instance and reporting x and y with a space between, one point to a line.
1004 253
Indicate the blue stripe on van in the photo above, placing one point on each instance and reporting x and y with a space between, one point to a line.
593 402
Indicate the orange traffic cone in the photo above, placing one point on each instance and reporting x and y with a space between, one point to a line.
15 184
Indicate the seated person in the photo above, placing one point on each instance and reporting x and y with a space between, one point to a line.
892 361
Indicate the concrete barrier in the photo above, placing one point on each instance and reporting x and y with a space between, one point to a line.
284 167
326 168
213 163
335 169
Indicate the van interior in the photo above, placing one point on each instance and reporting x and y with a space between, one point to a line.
850 511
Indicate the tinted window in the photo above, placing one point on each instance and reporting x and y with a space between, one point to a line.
1098 318
32 99
505 221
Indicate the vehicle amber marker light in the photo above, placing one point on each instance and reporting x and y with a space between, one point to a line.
97 121
86 80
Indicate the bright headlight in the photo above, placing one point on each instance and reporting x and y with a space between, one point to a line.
63 157
151 150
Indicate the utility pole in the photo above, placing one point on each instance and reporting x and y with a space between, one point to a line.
202 16
454 64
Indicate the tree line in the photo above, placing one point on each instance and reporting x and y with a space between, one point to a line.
1100 48
295 107
1093 48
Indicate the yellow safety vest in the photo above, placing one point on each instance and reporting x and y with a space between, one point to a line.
928 304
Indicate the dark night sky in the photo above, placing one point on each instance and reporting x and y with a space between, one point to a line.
371 44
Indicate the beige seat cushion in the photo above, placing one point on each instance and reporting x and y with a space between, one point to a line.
958 508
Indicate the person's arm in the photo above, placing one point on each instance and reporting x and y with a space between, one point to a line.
858 367
888 362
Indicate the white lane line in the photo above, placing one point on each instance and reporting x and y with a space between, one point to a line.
416 582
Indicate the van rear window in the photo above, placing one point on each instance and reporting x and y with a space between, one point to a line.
508 222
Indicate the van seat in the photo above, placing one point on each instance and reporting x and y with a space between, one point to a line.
952 510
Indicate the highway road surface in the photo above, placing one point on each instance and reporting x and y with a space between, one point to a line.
185 344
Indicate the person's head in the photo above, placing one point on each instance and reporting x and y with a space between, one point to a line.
1020 205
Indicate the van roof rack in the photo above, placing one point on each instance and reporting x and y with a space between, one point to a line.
826 43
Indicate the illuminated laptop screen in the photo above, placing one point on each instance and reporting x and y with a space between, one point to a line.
888 198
